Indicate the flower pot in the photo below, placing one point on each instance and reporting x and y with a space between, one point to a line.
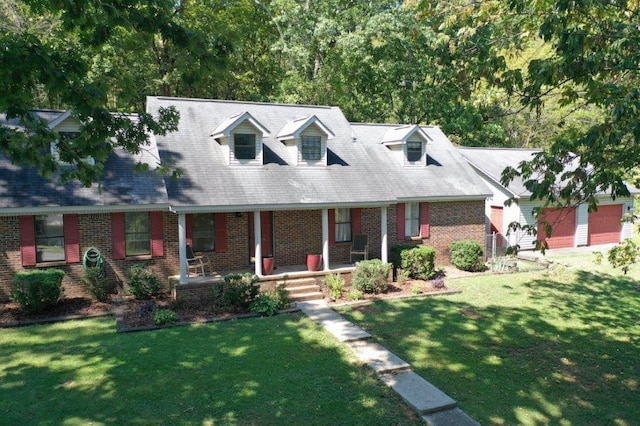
267 265
314 261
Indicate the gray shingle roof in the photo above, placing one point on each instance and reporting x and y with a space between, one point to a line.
360 170
492 161
21 187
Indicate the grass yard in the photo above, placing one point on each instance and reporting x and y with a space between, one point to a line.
554 347
278 370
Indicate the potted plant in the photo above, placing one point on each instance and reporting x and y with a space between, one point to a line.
267 265
314 261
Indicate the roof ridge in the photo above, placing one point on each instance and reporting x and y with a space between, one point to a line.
233 101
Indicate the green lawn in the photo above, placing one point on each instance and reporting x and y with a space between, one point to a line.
278 370
556 347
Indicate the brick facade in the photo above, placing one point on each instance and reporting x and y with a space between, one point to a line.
296 233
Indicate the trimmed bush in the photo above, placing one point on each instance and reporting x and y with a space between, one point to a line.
36 290
355 295
142 283
467 256
370 276
237 290
418 263
266 304
164 316
97 283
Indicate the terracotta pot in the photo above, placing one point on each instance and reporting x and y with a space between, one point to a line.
314 261
267 265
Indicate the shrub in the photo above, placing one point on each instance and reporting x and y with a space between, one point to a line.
164 316
266 304
370 276
281 293
237 290
416 289
142 283
36 290
466 255
418 262
355 295
97 283
335 284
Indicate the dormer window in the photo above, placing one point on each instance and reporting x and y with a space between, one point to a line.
67 136
414 151
244 146
311 148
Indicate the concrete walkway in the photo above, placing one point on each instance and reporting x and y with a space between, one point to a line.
434 406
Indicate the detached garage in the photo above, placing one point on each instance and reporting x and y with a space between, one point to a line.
604 225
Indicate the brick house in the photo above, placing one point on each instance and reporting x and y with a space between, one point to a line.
258 180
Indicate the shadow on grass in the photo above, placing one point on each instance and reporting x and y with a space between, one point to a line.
570 353
280 370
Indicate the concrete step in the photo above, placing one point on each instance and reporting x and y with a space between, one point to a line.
303 297
302 289
297 282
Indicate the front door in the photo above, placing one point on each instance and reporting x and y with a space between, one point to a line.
266 227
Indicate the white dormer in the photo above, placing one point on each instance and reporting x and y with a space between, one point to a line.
409 143
306 140
68 128
241 139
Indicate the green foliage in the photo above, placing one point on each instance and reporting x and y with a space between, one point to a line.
416 290
35 290
141 282
624 255
164 316
265 304
370 276
467 256
418 262
281 292
97 283
237 290
354 294
335 283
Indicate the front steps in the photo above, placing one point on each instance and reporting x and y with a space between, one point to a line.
302 289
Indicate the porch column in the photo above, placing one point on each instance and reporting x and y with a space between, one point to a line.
182 247
257 235
325 238
383 233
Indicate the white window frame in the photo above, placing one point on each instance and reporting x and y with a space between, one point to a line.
412 220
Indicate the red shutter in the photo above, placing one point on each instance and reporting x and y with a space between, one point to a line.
220 221
332 227
400 222
424 220
157 234
27 231
356 221
71 238
117 236
188 228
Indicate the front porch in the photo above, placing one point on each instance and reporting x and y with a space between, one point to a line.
306 282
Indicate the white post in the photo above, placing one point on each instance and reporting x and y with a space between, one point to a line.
383 233
182 247
325 239
257 235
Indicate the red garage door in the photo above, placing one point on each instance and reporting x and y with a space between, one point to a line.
604 225
563 224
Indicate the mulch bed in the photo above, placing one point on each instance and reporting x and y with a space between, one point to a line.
138 314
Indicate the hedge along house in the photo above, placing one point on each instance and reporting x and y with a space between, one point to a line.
44 223
571 227
287 180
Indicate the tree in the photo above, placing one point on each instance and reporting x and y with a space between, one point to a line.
48 51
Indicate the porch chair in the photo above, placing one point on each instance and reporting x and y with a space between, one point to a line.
359 246
196 263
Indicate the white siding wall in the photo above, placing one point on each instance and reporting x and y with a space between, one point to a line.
582 226
524 239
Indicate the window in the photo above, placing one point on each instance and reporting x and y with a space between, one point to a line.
49 238
412 220
311 148
414 151
203 232
244 147
343 225
137 233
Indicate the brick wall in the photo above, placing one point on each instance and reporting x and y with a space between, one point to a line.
296 233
